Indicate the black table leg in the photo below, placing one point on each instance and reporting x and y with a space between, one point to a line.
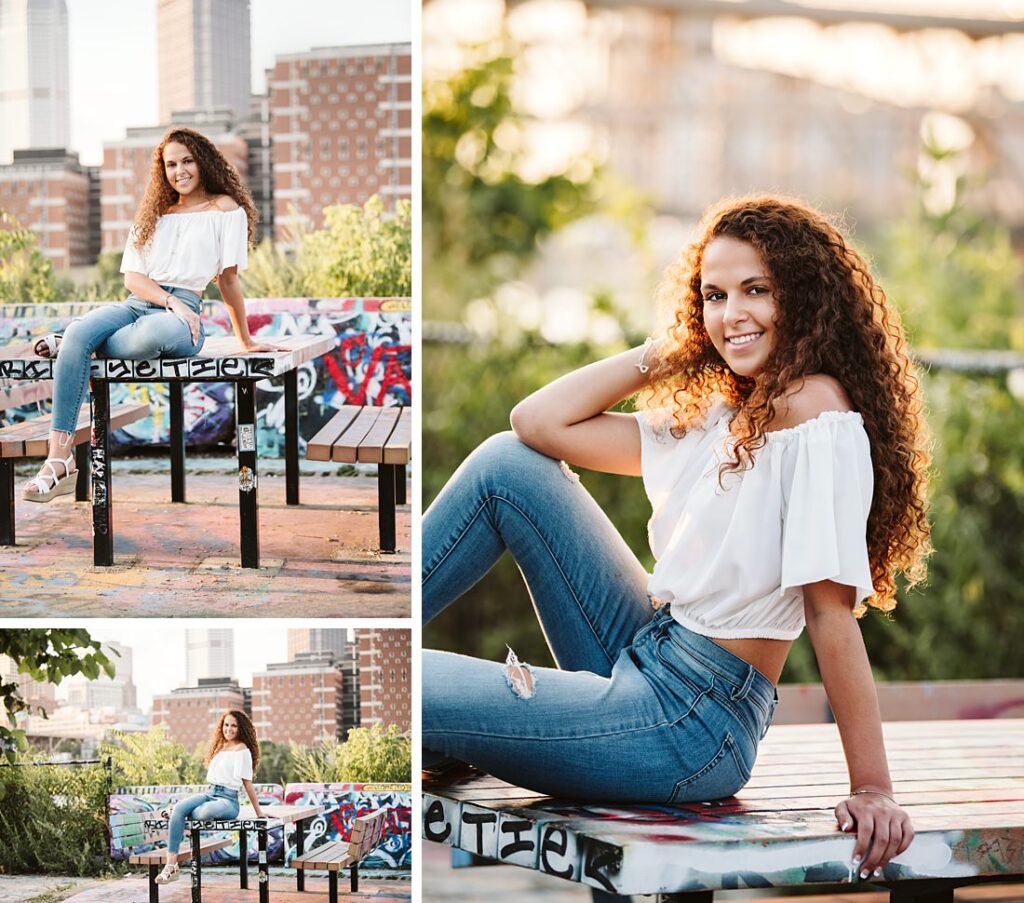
300 848
154 888
261 840
291 437
386 506
177 399
332 887
82 463
197 868
7 515
243 859
400 484
102 516
248 505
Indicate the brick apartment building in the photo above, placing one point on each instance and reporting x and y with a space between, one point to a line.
47 190
299 701
190 713
126 165
341 128
384 678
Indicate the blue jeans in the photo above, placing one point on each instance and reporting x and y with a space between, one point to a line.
217 802
640 709
131 330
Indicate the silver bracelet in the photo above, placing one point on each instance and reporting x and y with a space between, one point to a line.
640 365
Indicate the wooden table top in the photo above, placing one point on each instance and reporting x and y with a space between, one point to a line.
220 359
962 783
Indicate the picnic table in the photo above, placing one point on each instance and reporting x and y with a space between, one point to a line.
219 361
962 783
274 817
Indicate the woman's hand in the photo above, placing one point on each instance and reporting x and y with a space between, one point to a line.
185 313
883 830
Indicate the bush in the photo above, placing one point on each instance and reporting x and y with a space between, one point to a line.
151 758
53 820
370 755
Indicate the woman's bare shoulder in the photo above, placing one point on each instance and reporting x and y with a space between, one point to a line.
225 202
807 398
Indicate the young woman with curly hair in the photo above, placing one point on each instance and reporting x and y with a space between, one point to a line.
195 224
232 758
781 443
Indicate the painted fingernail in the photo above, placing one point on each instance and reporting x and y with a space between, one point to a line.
877 873
846 826
857 858
864 873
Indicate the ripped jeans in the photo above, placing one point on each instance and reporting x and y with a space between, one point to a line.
639 710
132 329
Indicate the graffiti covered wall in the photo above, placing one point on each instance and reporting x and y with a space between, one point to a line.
371 365
344 803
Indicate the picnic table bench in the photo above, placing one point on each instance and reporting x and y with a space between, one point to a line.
371 435
368 832
219 361
30 439
962 783
274 817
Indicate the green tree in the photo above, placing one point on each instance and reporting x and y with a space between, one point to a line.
47 655
26 276
370 754
106 284
151 757
361 252
376 754
275 763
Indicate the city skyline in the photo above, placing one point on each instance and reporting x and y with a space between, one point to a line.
104 103
159 660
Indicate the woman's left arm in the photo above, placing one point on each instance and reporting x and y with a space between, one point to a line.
253 797
883 828
231 291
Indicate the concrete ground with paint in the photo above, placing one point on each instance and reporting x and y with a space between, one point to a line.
318 559
218 887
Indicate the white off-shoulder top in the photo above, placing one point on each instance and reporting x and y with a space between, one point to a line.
732 559
230 767
188 249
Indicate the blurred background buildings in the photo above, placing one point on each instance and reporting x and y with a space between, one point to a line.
333 680
334 126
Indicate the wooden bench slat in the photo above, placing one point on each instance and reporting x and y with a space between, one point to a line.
346 447
319 447
159 857
14 394
332 856
371 449
397 448
30 438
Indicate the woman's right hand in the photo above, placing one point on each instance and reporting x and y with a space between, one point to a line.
185 313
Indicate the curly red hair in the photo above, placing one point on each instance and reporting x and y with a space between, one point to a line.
246 734
216 173
833 318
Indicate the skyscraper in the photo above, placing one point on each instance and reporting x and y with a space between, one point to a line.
34 107
209 653
203 56
317 639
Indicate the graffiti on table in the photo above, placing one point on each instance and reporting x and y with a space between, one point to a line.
371 365
137 825
344 803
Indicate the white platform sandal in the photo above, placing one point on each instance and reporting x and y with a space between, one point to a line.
169 874
48 345
49 484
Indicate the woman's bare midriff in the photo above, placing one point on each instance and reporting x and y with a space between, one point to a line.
768 656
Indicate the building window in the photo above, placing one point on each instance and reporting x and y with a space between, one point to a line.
361 148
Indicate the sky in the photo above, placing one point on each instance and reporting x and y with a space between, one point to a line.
158 661
113 71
